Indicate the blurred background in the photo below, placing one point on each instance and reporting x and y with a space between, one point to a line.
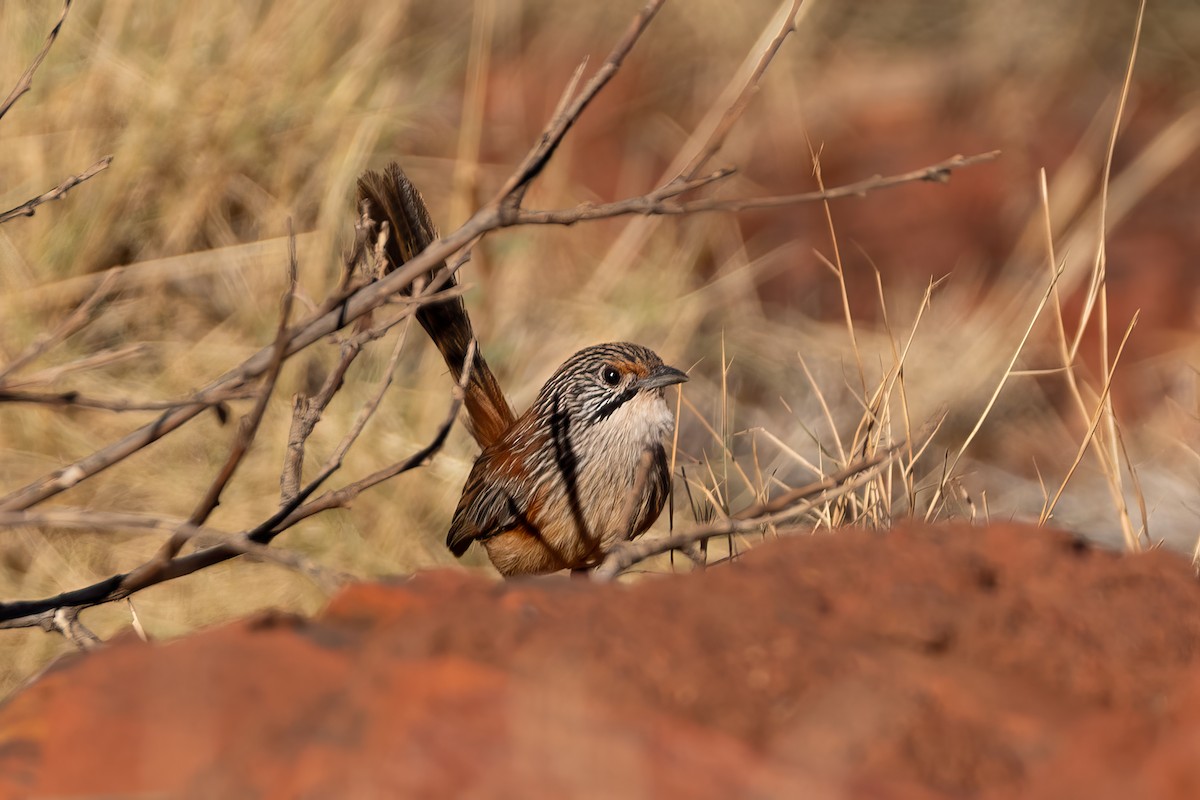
227 118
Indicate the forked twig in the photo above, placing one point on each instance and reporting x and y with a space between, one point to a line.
340 498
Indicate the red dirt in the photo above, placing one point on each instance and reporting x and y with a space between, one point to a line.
921 663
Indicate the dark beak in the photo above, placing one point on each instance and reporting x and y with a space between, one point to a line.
660 376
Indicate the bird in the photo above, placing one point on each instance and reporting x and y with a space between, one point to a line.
578 473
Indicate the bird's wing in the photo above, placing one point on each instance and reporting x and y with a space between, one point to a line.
491 504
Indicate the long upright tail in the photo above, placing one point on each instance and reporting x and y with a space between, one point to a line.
393 197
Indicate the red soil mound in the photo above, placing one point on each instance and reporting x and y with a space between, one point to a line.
927 662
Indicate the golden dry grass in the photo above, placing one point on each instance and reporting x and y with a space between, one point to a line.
227 118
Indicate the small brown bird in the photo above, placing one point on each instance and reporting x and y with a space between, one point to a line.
579 472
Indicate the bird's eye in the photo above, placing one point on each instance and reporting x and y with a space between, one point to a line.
609 375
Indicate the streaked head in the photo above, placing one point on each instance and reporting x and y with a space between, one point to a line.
599 381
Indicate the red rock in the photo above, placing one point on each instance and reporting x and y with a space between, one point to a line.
921 663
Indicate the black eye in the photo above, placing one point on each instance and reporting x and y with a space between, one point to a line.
609 375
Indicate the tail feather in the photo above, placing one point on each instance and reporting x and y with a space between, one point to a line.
392 197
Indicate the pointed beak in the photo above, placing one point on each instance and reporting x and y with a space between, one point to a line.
660 376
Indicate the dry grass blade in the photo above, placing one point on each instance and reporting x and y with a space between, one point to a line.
77 400
1105 179
1108 446
1008 371
836 267
1103 409
70 325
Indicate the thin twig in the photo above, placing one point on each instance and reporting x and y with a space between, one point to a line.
787 506
28 208
76 400
25 82
371 296
85 519
342 497
326 321
652 205
248 427
306 413
352 303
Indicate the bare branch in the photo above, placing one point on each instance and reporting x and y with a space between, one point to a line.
316 327
25 82
84 519
250 423
653 204
27 208
306 413
77 400
361 291
371 296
